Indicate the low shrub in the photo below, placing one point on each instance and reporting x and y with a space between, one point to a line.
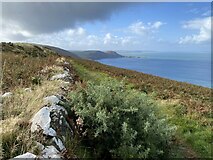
120 123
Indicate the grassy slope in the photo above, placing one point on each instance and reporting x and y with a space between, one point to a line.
61 51
94 55
22 65
187 106
193 137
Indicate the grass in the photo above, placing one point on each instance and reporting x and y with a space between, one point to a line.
22 65
87 75
192 129
194 132
187 106
16 114
25 65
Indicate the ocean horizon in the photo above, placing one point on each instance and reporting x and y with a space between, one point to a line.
194 70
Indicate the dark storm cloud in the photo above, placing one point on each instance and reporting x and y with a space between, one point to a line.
48 17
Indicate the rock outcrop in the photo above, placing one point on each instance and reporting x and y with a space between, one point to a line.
50 126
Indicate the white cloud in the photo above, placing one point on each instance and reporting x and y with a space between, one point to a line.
157 24
79 38
92 40
66 39
138 28
110 39
107 38
76 32
204 27
13 31
126 40
141 28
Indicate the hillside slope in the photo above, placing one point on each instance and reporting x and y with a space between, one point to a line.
110 112
96 55
62 51
35 80
187 106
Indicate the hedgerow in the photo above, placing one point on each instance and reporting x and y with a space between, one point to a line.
120 123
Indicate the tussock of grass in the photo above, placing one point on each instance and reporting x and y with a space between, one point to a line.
17 112
24 104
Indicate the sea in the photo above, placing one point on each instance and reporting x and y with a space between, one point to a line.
194 68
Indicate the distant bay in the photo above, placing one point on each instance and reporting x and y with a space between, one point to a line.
195 71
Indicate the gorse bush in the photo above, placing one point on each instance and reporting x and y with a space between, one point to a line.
120 122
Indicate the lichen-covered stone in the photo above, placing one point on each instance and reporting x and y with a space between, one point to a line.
7 94
41 121
52 99
63 76
49 124
52 122
27 155
50 152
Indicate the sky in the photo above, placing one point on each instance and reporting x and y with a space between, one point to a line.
159 26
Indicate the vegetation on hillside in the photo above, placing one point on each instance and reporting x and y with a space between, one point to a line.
192 97
191 125
120 119
95 55
119 122
22 64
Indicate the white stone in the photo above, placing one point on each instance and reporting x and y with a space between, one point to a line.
28 90
57 108
60 76
59 143
7 94
41 120
66 62
26 156
50 131
50 152
65 83
52 99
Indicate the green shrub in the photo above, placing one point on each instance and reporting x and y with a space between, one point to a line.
120 122
36 80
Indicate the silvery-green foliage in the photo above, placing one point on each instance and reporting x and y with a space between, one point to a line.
121 121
